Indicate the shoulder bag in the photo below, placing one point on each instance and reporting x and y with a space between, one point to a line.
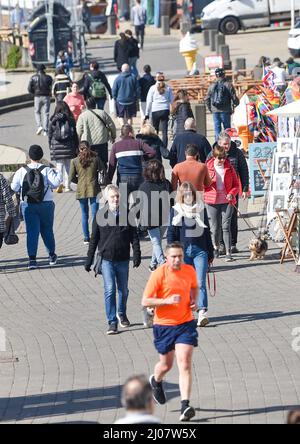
104 123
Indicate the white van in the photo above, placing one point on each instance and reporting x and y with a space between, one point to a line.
228 16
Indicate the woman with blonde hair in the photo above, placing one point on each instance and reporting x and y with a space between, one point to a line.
189 225
149 135
159 99
84 171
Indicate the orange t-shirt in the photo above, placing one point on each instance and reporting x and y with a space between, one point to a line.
165 282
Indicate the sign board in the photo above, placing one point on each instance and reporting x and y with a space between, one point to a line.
260 160
211 63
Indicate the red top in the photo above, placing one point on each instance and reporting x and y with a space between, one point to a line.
231 183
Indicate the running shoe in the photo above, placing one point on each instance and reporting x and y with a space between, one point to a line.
157 391
188 413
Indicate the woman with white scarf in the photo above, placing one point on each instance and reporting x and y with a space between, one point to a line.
190 226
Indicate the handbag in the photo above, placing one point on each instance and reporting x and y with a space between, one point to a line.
98 262
10 237
102 174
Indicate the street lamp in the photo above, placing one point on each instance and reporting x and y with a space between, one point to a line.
292 14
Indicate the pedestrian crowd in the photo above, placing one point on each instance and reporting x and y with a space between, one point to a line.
129 197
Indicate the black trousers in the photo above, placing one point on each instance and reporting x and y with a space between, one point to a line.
102 151
140 32
1 239
161 117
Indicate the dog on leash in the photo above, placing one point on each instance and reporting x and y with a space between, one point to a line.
258 247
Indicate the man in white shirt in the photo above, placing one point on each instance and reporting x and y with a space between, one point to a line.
139 19
280 74
35 183
138 402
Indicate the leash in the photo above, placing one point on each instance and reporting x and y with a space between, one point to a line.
244 218
211 273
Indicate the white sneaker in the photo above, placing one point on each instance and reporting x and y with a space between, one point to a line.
203 320
45 134
39 130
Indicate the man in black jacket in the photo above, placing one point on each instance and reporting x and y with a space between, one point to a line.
145 83
40 86
96 84
134 52
113 235
189 137
221 100
238 161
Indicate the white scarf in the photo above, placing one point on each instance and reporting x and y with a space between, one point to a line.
191 212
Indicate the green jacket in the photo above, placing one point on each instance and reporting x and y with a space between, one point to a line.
86 178
89 127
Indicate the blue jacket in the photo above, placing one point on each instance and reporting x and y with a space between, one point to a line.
126 89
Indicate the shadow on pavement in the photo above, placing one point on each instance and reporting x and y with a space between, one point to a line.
67 403
243 412
250 317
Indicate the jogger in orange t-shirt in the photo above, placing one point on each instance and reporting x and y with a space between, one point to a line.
173 289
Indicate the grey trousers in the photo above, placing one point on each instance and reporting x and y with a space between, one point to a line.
41 111
220 220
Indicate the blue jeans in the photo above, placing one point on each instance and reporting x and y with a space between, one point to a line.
132 61
84 205
115 274
156 235
198 258
219 119
100 103
39 219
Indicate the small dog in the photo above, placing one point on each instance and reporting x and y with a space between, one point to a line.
258 248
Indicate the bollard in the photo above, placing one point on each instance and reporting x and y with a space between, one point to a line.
111 25
199 111
240 64
225 53
165 24
212 38
220 40
206 41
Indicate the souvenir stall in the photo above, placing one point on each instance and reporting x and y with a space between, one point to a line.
283 214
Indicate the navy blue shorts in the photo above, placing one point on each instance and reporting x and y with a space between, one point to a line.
126 110
166 336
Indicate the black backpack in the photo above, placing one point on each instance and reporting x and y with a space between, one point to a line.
33 185
63 131
221 97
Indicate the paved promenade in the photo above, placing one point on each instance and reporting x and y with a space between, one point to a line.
60 366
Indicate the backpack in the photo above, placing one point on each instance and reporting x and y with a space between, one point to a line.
221 97
33 185
97 88
63 131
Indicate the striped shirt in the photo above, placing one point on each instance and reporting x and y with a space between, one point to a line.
6 203
127 155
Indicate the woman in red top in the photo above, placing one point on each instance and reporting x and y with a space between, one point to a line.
220 198
75 101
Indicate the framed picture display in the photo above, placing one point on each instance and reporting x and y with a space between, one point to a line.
284 163
281 182
286 146
279 202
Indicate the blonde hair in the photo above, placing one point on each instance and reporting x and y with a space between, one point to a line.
147 129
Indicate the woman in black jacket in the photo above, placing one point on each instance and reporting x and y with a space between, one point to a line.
154 193
189 225
148 135
63 141
180 111
121 51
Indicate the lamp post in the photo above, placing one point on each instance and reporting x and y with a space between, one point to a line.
292 14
